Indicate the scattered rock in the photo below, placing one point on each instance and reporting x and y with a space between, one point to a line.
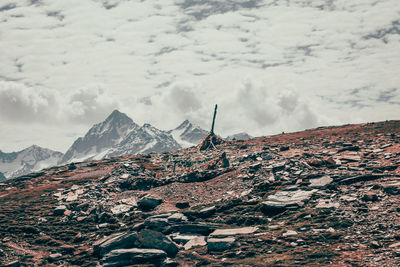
198 241
13 264
124 257
234 231
321 182
282 200
220 244
182 205
115 241
119 209
149 202
153 239
59 210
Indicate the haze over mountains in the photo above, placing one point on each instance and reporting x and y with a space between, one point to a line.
117 135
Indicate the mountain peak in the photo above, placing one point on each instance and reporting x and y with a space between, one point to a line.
184 124
117 115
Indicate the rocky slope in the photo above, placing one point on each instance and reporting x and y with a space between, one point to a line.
27 160
322 197
239 136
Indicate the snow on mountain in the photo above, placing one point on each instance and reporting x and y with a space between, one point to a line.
188 134
119 135
33 158
144 140
239 136
101 138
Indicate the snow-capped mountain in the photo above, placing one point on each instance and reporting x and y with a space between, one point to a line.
144 140
31 159
188 134
239 136
101 138
119 135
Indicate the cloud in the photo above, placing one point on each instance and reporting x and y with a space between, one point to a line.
21 103
271 65
90 104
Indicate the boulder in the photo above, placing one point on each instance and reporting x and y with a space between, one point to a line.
124 257
220 244
182 205
59 210
320 182
198 241
149 202
156 240
207 212
119 209
115 241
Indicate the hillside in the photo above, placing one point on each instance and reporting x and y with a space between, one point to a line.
326 196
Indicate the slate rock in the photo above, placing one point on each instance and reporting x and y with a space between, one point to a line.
59 210
320 182
156 240
220 244
283 200
13 264
115 241
125 257
198 241
182 205
234 231
149 202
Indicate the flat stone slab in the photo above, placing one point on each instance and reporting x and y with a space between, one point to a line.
234 231
198 241
124 257
219 244
122 208
284 199
114 241
320 182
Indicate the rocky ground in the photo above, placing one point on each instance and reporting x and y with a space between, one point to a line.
328 196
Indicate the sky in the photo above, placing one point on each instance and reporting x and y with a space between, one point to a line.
270 65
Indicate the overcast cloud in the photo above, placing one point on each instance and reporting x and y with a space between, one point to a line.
272 66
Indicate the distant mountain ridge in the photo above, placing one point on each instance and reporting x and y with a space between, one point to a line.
28 160
117 135
100 138
188 134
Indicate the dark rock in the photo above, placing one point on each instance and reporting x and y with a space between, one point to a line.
115 241
195 228
59 210
284 148
153 239
169 263
207 212
157 224
283 200
220 244
13 264
370 197
124 257
149 202
182 205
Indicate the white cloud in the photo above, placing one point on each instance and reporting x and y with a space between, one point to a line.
271 65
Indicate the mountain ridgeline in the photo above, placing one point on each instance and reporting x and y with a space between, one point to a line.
118 135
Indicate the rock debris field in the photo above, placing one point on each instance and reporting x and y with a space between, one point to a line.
326 196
